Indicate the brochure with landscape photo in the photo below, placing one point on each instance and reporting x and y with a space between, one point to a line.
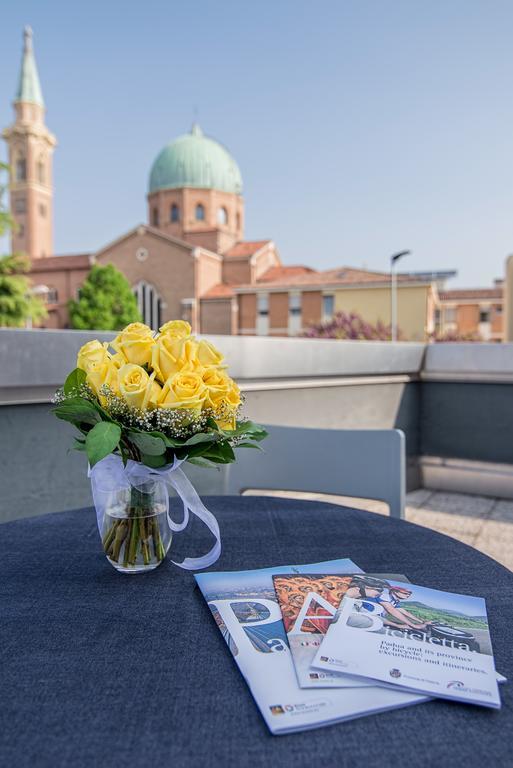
413 638
308 603
246 610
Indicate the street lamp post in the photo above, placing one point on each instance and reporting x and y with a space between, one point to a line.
393 292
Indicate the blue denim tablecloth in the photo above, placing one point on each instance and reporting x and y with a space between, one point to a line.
100 669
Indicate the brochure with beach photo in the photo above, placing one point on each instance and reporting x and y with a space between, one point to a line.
410 637
308 603
245 608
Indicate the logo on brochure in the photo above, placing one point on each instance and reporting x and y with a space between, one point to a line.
324 658
395 673
462 687
277 709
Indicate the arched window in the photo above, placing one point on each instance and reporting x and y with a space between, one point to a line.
174 213
149 303
222 215
237 219
41 176
155 217
200 212
21 168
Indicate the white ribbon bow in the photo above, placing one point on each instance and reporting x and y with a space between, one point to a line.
110 474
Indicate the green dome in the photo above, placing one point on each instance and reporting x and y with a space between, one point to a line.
194 160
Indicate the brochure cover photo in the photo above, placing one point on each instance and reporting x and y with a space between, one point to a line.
412 637
308 603
245 608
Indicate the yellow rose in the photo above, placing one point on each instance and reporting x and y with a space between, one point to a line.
217 383
179 329
171 355
184 390
137 388
92 352
135 343
208 354
226 406
100 373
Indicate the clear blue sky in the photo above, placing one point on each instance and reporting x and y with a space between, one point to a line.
361 126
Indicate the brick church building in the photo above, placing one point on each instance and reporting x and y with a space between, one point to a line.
190 259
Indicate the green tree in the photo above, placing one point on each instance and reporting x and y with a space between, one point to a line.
106 302
17 303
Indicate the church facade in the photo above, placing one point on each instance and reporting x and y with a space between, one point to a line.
190 259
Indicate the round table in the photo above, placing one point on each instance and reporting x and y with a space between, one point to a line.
101 669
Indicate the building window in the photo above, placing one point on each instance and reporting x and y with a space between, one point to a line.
328 307
42 210
294 314
21 169
484 315
155 217
20 205
294 303
237 220
222 215
149 303
200 212
263 304
52 296
41 177
21 230
498 310
174 213
141 254
449 314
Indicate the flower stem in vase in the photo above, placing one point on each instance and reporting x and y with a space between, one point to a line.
109 537
120 536
145 548
158 546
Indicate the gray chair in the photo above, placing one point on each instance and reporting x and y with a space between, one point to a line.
366 464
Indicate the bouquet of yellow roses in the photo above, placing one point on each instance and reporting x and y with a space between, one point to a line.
142 407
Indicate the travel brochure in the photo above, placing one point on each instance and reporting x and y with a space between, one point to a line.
246 610
324 643
308 602
413 638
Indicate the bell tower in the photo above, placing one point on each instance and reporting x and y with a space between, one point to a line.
30 146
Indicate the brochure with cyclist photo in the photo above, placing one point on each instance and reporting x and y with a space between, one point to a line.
413 638
308 603
245 609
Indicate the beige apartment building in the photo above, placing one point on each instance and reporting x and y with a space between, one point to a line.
474 313
190 260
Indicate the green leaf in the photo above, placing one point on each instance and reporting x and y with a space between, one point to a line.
202 462
202 437
222 453
249 445
147 443
102 440
74 380
77 410
155 462
79 445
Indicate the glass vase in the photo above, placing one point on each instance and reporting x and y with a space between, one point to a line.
134 526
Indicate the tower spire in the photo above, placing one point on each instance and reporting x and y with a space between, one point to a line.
29 87
30 146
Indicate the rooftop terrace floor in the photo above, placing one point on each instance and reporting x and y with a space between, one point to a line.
482 522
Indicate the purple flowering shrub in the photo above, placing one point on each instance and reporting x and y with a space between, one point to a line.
349 326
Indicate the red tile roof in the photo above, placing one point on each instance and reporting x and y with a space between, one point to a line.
333 277
219 291
471 293
279 273
55 263
245 248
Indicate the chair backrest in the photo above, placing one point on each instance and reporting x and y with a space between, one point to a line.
361 463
